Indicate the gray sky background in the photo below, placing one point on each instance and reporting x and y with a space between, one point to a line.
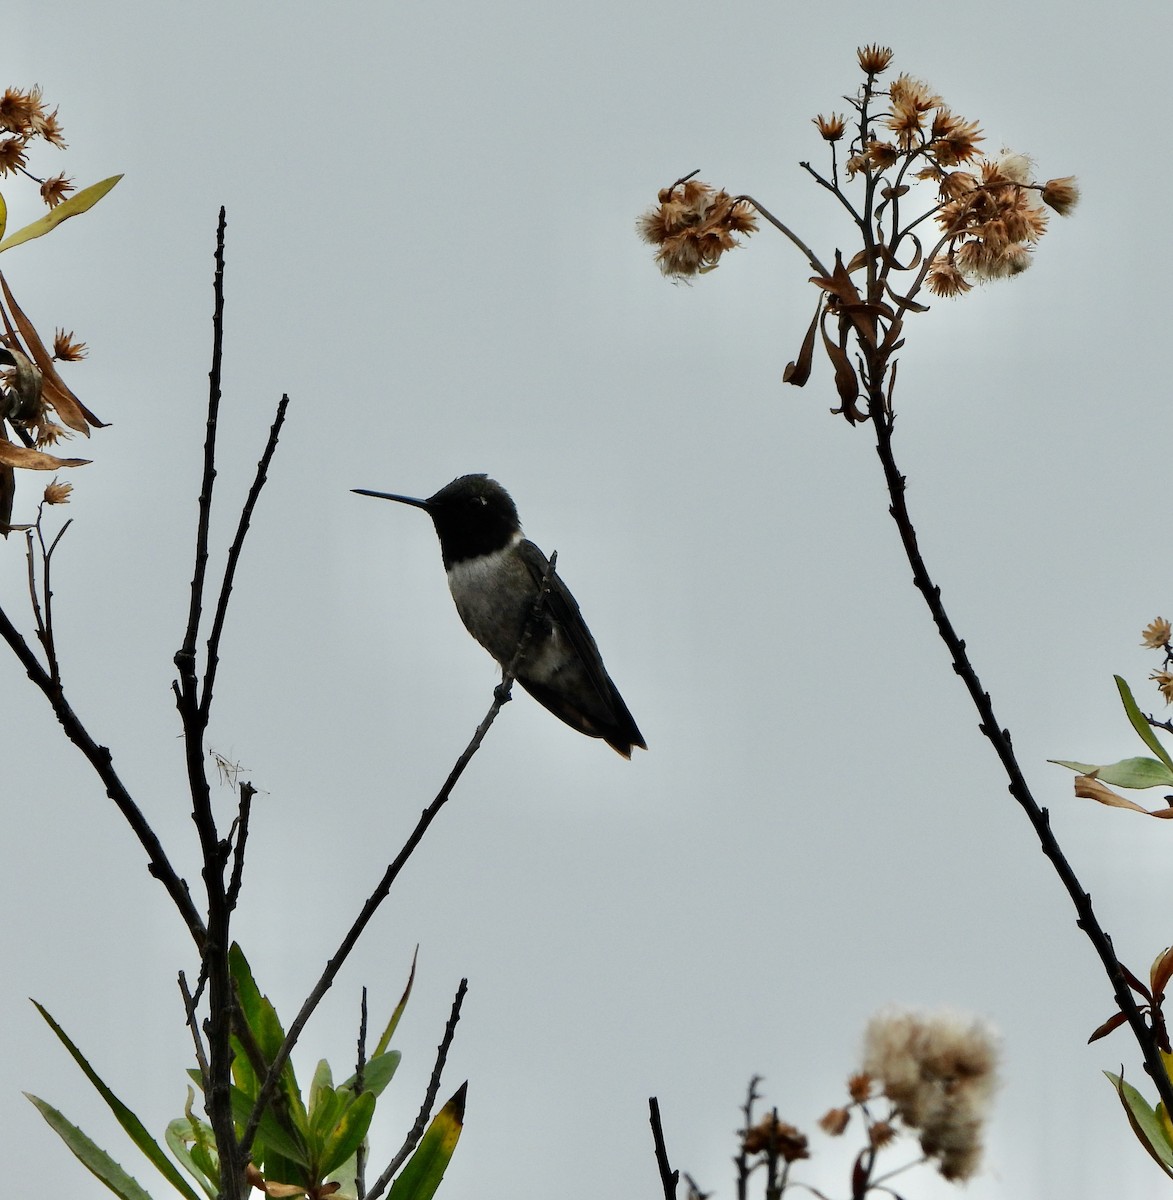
431 249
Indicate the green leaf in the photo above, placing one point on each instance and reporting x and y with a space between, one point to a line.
348 1133
194 1146
377 1073
77 203
90 1155
135 1129
385 1040
1135 773
420 1178
261 1018
271 1136
3 217
1142 727
1145 1122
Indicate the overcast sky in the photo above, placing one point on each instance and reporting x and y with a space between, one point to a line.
431 250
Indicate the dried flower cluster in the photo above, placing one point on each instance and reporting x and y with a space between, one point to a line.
24 117
990 211
37 407
771 1136
693 225
938 1070
1156 636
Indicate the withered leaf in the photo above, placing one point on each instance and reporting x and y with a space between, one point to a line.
838 283
1087 787
799 371
846 382
1161 972
34 460
68 407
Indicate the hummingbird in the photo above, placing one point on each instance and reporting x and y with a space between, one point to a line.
494 574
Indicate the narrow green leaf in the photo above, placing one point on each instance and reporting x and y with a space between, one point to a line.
3 217
377 1074
385 1040
423 1172
1145 1122
90 1155
79 202
1136 773
261 1018
348 1134
1078 767
135 1129
1142 727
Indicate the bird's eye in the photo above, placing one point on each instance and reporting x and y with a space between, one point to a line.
482 501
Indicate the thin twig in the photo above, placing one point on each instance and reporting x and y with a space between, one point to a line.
425 1113
100 758
247 792
189 1007
501 696
213 659
185 657
810 255
668 1177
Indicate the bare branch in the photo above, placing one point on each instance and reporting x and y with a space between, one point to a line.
234 551
668 1177
100 759
501 696
425 1114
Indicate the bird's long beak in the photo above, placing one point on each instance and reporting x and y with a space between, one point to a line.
391 496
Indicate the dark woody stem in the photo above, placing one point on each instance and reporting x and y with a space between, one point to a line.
999 738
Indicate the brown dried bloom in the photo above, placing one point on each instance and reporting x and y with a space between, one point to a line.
882 1133
945 278
956 184
855 164
832 127
1061 194
770 1133
1156 633
859 1087
834 1121
1164 682
65 349
954 140
906 121
693 226
12 156
55 189
58 493
874 59
913 93
882 155
49 128
16 111
938 1071
47 432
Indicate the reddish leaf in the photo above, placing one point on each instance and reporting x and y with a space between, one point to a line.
1113 1022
